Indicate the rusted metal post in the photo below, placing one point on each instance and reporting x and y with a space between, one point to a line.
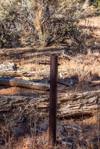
53 99
98 120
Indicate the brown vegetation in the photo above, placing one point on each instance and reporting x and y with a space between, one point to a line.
67 30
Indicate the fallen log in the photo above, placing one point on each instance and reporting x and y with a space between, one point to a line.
30 49
80 104
74 105
19 53
13 82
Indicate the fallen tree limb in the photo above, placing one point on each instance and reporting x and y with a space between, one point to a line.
75 105
23 83
34 49
69 106
26 52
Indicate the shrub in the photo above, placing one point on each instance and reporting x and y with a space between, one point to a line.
28 23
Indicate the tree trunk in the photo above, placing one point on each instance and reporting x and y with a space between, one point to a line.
41 22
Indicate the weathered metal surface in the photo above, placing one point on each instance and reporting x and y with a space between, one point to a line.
53 99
